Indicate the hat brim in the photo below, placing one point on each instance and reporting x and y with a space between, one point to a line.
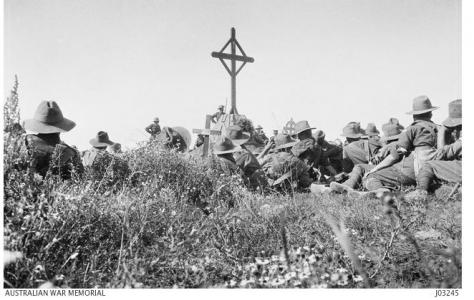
390 138
287 145
419 112
452 122
235 149
95 143
352 136
300 131
34 125
242 141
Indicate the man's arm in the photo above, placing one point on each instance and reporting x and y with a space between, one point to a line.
148 128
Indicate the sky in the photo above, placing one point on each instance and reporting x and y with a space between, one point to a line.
115 65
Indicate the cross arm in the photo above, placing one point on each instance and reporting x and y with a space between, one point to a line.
232 57
207 131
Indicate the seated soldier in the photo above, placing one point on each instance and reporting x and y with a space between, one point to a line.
331 152
116 148
99 144
100 163
254 177
309 151
391 132
447 164
357 150
176 138
416 145
260 135
223 149
44 150
285 171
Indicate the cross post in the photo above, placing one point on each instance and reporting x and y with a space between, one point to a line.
233 71
206 132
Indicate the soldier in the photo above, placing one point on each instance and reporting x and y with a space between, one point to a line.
216 116
224 149
45 150
357 150
99 146
177 138
116 148
253 175
309 151
447 165
103 164
154 128
331 152
275 133
391 132
260 135
415 146
285 171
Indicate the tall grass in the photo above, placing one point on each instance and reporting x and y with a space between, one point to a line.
174 221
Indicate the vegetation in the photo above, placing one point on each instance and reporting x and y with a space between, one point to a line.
175 222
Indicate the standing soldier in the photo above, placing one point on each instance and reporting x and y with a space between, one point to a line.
216 116
44 150
154 128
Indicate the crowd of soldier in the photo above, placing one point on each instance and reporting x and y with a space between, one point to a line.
418 155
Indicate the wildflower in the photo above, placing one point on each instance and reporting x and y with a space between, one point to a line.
38 269
277 282
357 278
334 277
262 262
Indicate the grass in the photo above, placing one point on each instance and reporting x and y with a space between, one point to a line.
175 222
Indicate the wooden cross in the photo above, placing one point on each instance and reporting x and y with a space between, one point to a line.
206 132
289 127
233 57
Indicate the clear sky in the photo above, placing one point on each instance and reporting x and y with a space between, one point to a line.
113 65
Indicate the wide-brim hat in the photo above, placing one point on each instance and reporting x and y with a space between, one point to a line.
224 145
48 118
319 135
352 130
284 141
101 140
302 126
421 105
259 127
391 130
236 135
371 130
156 119
455 114
184 133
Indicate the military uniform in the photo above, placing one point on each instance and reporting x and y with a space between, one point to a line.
286 172
446 167
415 146
253 175
359 152
47 152
154 129
216 116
